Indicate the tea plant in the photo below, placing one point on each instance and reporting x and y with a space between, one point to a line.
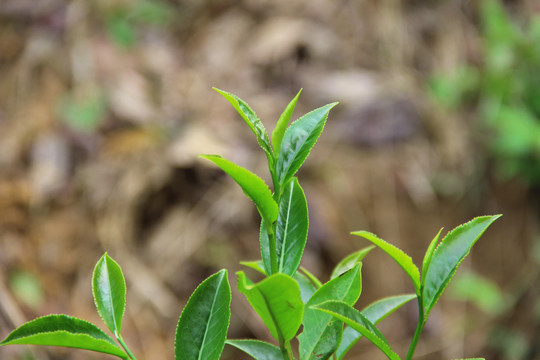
289 297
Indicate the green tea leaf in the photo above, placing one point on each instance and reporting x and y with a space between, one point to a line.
266 249
202 327
255 265
278 302
258 350
109 289
283 122
375 313
350 260
429 255
298 141
448 256
66 331
291 228
322 332
397 254
358 322
252 185
252 120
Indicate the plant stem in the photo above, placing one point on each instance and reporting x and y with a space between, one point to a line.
286 350
273 249
129 353
418 331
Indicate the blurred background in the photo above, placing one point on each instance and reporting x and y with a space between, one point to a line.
105 104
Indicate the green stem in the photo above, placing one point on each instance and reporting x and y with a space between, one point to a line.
286 350
273 249
418 331
129 353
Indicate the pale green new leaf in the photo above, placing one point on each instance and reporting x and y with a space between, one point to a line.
202 327
255 265
321 334
252 120
66 331
429 255
278 302
375 313
298 141
283 122
358 322
350 260
252 185
257 349
109 289
447 257
291 228
397 254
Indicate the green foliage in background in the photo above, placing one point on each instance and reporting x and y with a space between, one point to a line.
504 90
290 300
122 21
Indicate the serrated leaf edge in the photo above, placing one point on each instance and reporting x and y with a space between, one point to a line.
107 337
285 176
429 307
223 271
105 258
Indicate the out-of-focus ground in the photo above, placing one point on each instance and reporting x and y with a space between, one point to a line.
104 106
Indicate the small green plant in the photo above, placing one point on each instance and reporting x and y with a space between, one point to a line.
289 297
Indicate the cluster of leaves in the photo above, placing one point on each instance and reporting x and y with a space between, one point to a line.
504 90
289 297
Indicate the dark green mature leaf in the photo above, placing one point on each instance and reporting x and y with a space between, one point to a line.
290 232
66 331
397 254
291 228
254 187
202 327
252 120
375 313
278 302
298 141
447 257
109 289
322 332
358 322
258 350
350 260
283 122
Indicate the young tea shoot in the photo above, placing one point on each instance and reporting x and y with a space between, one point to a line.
290 300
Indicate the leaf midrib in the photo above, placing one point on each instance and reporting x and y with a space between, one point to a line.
282 257
111 298
207 322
